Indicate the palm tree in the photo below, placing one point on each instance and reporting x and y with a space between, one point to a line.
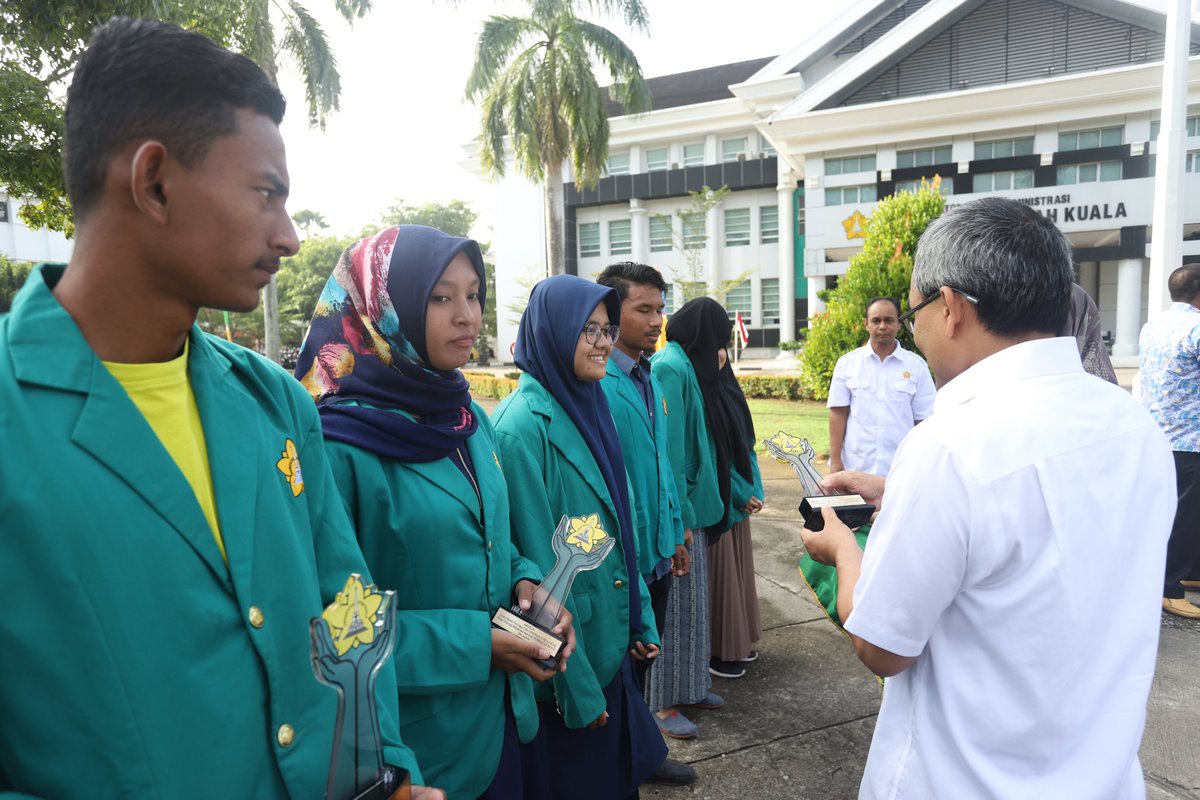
535 78
303 40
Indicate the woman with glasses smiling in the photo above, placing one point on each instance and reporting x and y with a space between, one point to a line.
562 456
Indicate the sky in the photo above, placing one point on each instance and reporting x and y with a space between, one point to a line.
402 123
403 120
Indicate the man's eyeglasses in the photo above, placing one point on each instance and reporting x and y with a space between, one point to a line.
907 319
592 332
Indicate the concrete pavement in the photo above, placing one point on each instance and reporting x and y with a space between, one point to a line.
800 722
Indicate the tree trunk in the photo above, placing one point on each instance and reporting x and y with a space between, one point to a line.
555 261
264 45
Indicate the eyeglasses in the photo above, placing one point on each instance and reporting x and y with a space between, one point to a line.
908 319
593 330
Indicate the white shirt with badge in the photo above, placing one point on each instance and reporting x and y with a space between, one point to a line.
886 399
1018 555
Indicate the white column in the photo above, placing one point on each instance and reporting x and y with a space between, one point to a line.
1129 308
815 306
639 218
1166 249
714 245
787 255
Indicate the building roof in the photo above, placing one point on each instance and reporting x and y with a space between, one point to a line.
696 86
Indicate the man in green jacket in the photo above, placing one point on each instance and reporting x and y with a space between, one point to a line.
170 522
636 402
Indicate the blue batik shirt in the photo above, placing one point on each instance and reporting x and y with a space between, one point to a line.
1169 383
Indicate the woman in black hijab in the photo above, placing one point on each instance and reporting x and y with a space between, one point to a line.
702 328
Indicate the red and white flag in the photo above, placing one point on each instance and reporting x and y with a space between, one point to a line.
741 328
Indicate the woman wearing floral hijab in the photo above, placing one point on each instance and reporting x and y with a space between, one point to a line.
702 329
562 456
416 463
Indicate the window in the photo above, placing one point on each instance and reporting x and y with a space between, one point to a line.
849 164
768 222
738 299
1192 125
737 227
693 155
770 300
1193 161
589 239
660 234
620 237
1096 137
767 149
4 210
618 164
946 188
923 157
999 181
844 195
657 158
669 299
1004 148
1089 173
695 233
732 148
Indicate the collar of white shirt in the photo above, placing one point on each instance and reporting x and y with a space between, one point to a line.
1036 358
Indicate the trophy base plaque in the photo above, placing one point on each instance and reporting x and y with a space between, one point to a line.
393 784
522 627
851 509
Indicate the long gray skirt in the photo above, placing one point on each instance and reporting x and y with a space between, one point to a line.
680 674
732 597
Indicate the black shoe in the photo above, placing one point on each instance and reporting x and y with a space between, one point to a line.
725 669
752 656
673 773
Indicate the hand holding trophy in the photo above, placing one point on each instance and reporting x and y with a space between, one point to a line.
851 509
579 543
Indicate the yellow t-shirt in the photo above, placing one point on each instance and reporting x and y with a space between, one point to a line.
163 393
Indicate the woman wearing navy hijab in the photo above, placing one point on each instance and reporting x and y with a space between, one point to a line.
416 462
562 457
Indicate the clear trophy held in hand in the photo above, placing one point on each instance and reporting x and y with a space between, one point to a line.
579 543
850 508
351 641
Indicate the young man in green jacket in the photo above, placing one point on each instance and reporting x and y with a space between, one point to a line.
636 401
170 522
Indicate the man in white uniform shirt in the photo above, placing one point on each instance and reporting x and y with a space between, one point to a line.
1010 586
878 393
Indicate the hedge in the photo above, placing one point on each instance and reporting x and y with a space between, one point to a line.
484 384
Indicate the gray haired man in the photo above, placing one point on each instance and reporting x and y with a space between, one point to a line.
1031 484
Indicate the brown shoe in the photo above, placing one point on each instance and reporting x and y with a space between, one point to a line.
1180 608
1191 585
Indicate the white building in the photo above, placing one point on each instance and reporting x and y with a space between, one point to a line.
20 243
1053 103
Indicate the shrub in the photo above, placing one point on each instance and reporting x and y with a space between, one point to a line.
484 384
773 387
790 345
883 268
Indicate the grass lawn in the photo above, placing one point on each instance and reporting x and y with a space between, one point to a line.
805 418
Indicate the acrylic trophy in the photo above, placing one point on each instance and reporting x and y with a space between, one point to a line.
351 641
579 543
850 508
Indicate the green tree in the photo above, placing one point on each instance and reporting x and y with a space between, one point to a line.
883 268
686 239
12 278
534 77
455 218
306 219
40 41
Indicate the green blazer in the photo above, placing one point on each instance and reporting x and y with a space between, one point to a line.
551 472
741 490
692 451
644 447
134 662
451 565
